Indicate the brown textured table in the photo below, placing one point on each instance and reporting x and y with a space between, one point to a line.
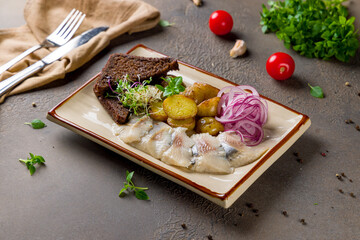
75 196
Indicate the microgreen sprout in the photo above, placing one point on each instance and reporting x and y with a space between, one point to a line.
135 95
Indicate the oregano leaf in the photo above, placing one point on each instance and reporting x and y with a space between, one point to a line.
165 23
129 176
130 187
30 162
140 194
316 91
32 169
36 124
121 193
161 88
174 86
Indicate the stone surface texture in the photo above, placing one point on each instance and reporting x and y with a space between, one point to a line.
75 196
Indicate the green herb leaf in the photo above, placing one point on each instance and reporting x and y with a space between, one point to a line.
264 29
165 23
39 159
24 161
316 91
342 19
30 162
174 87
32 169
129 186
121 193
314 28
161 88
36 124
181 88
168 92
129 176
140 194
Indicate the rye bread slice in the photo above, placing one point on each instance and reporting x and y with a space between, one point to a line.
117 111
138 69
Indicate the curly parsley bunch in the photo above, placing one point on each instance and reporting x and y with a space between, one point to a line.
314 28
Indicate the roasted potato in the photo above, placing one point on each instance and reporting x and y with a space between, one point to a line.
208 108
180 107
157 112
200 92
209 125
188 123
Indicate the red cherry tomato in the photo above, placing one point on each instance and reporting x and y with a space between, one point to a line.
220 22
280 66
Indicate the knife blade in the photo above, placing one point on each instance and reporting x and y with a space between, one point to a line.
9 83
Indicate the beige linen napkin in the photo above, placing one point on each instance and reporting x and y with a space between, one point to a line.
43 16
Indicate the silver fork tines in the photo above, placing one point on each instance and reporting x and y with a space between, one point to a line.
67 28
62 34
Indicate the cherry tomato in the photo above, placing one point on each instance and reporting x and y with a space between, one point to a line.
220 22
280 66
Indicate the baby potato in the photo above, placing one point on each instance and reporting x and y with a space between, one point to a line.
208 108
210 91
200 92
180 107
209 125
188 123
157 112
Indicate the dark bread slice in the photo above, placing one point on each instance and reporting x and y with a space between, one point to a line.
117 111
138 69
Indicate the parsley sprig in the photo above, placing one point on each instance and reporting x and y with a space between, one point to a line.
174 86
314 28
129 186
30 162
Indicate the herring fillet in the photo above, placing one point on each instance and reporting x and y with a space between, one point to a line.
237 152
134 130
209 156
199 153
179 154
157 141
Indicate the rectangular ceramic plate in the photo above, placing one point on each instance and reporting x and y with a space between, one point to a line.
82 113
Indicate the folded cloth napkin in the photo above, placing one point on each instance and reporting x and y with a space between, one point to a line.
42 17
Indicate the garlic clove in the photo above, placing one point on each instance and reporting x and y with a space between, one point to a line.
197 2
239 49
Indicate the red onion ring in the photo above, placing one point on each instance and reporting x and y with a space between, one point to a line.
109 83
136 84
243 112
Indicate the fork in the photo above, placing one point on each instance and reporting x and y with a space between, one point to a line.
59 37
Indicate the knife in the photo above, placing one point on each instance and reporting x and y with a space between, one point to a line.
9 83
